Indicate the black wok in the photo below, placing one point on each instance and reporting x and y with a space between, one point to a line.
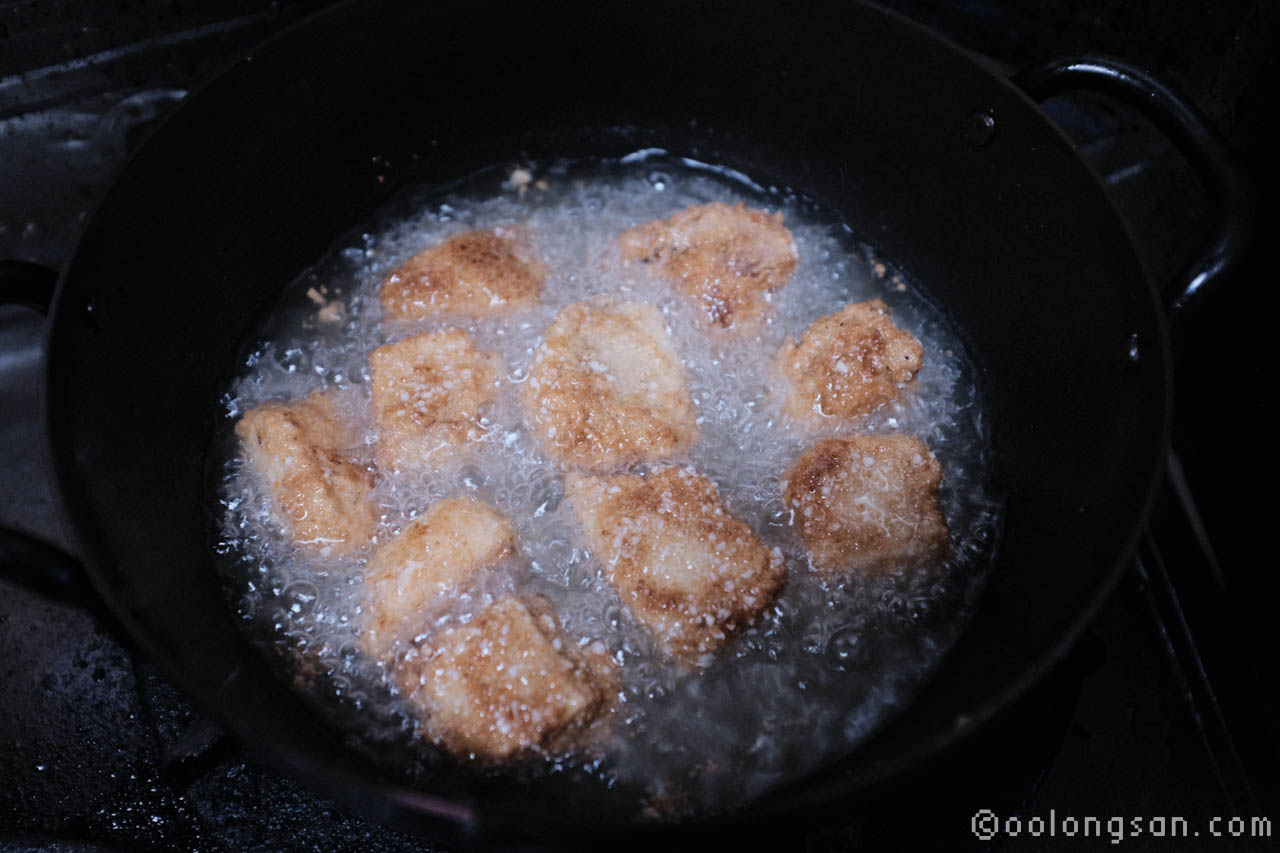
951 172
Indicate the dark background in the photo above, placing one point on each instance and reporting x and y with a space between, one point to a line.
1165 709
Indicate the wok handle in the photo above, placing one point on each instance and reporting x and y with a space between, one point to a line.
25 560
1231 205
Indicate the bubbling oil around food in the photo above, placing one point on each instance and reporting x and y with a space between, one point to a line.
820 669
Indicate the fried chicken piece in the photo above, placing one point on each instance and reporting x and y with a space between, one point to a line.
435 555
506 681
303 450
867 504
428 392
689 572
724 259
848 363
473 275
607 388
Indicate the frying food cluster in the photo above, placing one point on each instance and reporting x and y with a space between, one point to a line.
608 402
607 388
689 571
428 391
726 260
320 492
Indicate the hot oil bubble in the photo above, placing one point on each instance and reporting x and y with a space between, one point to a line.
738 711
849 649
299 597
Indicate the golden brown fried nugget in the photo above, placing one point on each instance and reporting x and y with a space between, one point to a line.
428 393
472 275
504 682
867 503
303 449
724 259
433 557
689 572
848 363
607 388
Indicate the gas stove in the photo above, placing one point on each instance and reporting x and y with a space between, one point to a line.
1160 711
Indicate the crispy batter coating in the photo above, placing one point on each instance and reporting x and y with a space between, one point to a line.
471 275
433 557
848 363
867 503
506 681
689 572
428 392
303 449
607 388
724 259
